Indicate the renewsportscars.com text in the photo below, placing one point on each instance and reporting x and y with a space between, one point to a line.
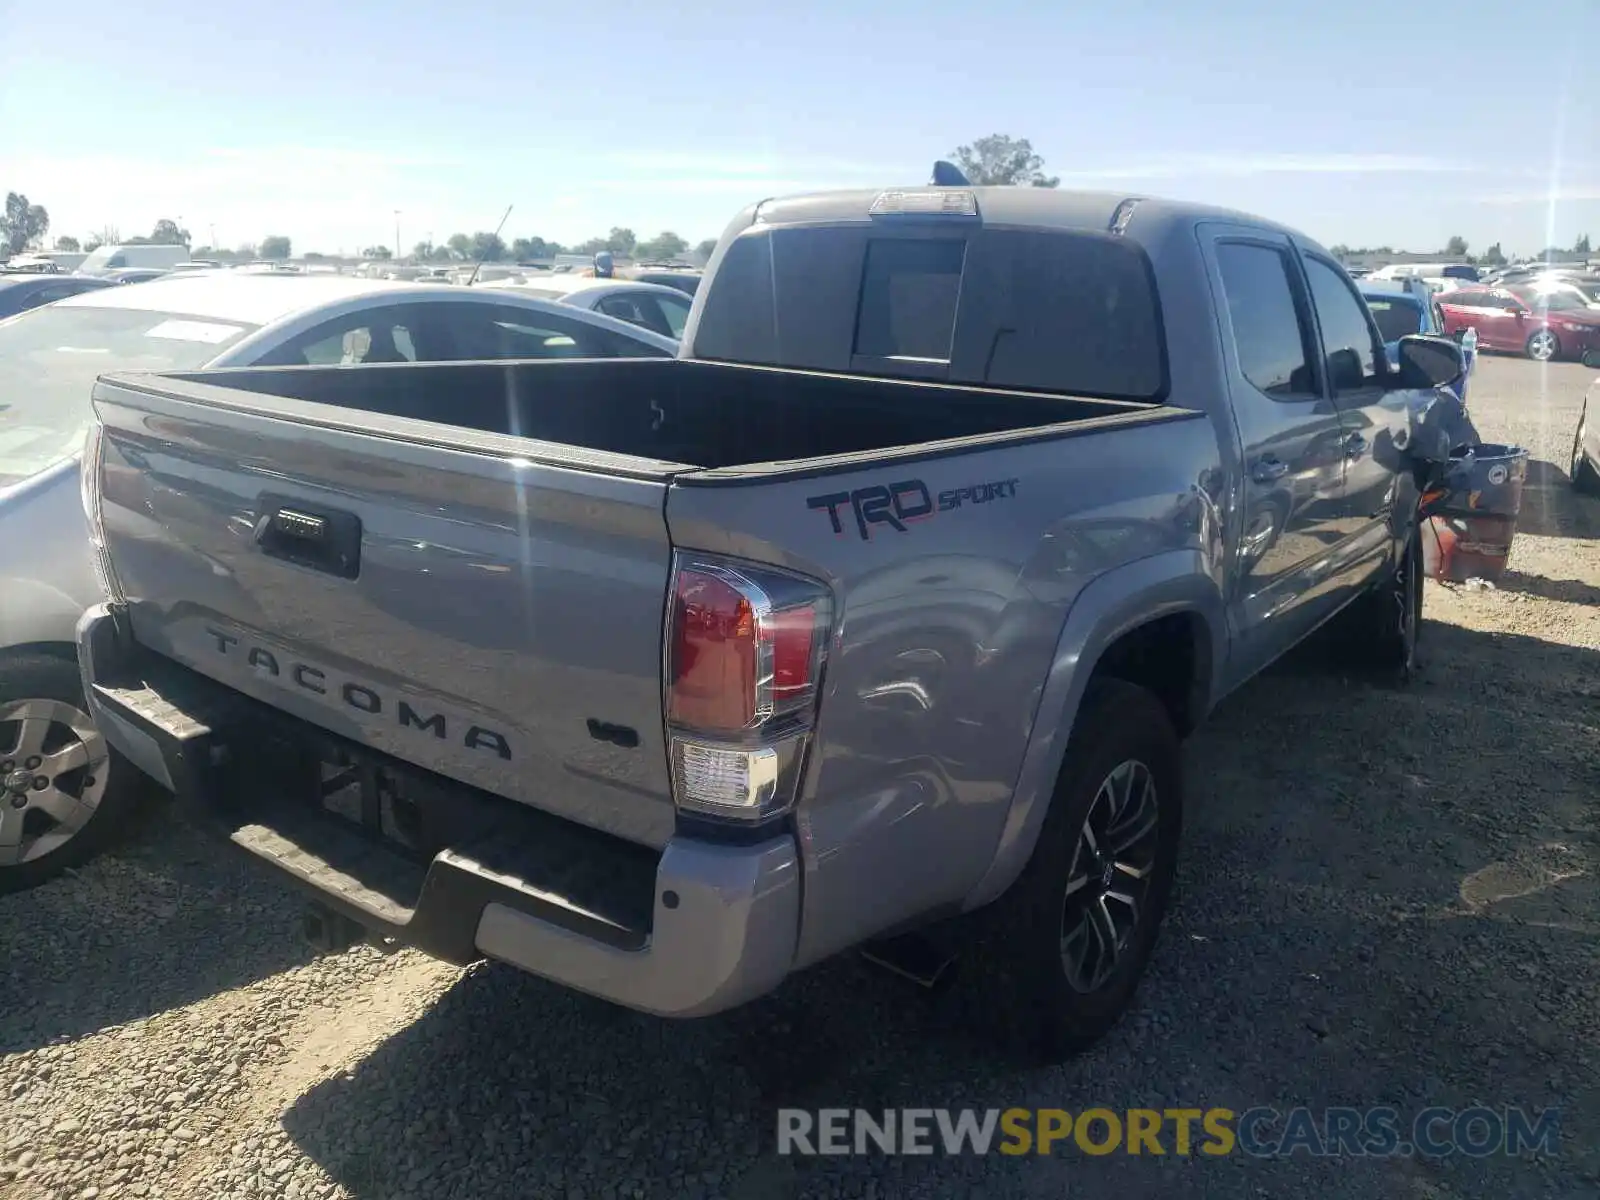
1260 1132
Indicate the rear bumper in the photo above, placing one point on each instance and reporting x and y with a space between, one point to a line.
696 929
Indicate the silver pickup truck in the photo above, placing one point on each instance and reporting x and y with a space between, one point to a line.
888 602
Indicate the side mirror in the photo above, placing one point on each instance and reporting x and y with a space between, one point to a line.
1425 361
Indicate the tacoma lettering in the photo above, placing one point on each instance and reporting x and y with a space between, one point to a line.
359 696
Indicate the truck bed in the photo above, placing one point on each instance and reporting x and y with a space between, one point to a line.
690 414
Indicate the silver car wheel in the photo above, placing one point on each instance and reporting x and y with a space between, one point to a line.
53 768
1542 346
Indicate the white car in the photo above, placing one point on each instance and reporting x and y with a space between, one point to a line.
62 792
662 310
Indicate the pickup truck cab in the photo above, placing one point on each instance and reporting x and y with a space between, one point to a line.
888 602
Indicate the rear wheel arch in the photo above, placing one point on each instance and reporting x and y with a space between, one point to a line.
1158 624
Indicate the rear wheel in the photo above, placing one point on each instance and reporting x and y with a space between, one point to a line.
1542 346
1582 473
1066 946
64 793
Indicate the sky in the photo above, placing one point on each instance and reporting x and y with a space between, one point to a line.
320 120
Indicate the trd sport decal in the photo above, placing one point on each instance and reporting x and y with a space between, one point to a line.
899 504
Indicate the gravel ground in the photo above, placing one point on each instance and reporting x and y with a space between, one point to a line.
1386 897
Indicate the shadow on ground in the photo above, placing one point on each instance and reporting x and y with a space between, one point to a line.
170 919
1550 508
1376 908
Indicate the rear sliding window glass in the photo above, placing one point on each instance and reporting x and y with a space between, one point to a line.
1062 312
1039 310
908 298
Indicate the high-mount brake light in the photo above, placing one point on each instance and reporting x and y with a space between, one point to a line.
745 648
925 202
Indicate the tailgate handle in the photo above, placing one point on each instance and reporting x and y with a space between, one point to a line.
323 539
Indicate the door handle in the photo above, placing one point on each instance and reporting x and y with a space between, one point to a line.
1355 446
1269 469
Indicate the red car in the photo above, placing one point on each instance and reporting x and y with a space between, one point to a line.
1524 320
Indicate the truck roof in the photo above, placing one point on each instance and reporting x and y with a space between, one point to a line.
1040 208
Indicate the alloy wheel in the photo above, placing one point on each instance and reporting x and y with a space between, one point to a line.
1109 879
1542 346
53 768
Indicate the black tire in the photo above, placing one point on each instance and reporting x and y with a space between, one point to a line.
1382 630
33 683
1024 949
1584 477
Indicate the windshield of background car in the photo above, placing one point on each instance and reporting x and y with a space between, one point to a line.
1396 317
1554 301
50 358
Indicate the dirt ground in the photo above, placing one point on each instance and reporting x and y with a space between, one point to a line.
1387 897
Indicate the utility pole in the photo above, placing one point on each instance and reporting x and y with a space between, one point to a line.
397 235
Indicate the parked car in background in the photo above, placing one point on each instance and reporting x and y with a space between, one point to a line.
662 310
1520 319
109 259
1405 308
135 275
687 282
18 293
46 261
49 359
1429 270
1585 287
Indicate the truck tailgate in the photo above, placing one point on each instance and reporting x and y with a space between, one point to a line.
371 584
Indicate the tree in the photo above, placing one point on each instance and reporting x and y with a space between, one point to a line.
23 225
665 245
620 241
1341 251
422 251
592 246
68 244
313 256
92 245
488 246
1581 246
523 248
246 251
275 245
167 233
1456 247
460 245
1493 256
705 248
378 253
1003 160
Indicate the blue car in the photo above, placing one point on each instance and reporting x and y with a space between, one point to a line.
1407 307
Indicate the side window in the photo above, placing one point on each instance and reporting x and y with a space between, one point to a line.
371 336
637 310
117 260
676 312
492 331
1270 337
1347 343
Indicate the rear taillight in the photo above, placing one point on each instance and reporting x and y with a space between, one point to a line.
745 648
89 489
